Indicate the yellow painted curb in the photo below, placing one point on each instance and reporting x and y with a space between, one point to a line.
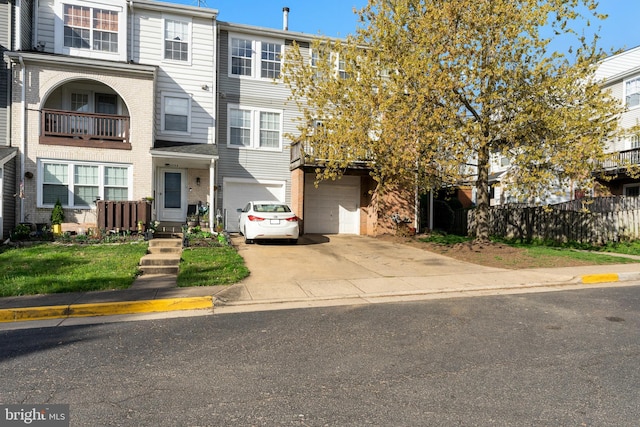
600 278
105 309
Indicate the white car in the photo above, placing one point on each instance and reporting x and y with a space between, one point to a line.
268 220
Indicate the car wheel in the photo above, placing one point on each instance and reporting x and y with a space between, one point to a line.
247 241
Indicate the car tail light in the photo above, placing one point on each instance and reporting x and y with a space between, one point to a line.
254 218
292 219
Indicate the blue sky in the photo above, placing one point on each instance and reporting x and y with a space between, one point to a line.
336 18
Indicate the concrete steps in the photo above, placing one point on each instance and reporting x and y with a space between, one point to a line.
163 256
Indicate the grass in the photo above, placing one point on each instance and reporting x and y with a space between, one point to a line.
53 268
50 268
207 266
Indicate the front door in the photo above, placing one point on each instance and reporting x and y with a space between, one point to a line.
173 198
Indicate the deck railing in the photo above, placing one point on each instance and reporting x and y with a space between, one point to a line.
623 159
86 126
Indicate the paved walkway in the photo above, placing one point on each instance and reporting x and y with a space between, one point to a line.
337 271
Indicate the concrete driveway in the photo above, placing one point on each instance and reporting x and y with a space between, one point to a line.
338 265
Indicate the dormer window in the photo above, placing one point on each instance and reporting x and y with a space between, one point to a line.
90 28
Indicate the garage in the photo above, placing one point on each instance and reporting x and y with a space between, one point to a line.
238 192
333 207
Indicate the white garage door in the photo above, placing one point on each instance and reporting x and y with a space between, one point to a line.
333 207
238 193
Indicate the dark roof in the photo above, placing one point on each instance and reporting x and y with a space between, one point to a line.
7 152
185 148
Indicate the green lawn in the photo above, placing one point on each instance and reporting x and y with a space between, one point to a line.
56 268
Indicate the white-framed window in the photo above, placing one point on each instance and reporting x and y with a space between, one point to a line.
632 92
338 63
254 128
90 28
177 37
176 113
259 59
93 29
80 184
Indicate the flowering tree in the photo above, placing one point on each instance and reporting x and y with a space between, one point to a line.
427 90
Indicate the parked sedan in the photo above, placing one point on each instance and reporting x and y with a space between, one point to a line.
268 220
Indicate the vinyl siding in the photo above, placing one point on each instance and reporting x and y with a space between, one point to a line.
9 219
174 77
5 44
253 93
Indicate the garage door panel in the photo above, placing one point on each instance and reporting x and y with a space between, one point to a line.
333 206
238 194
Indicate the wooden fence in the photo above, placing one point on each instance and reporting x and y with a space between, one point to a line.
123 215
608 219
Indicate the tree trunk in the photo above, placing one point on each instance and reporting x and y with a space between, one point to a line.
482 193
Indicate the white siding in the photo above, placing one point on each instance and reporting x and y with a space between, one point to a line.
188 78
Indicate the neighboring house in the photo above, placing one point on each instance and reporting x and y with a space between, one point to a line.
118 104
258 161
131 99
8 188
620 74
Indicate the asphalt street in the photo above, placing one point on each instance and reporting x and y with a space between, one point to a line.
546 359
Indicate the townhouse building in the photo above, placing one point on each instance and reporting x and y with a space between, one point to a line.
8 189
620 75
126 100
113 100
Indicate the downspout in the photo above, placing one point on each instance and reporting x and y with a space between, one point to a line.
214 140
131 32
23 132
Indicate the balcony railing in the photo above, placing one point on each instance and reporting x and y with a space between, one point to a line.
622 159
59 127
302 155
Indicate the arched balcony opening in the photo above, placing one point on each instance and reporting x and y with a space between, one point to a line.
85 113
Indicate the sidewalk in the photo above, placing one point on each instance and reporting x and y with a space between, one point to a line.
159 294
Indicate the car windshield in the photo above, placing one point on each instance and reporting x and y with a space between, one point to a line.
271 207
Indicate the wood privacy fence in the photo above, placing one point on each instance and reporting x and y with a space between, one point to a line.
594 220
123 215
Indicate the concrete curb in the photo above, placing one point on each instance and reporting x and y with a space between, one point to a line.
608 277
105 309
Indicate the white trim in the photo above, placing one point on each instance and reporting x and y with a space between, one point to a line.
625 186
70 164
624 92
254 127
256 56
189 23
59 47
186 96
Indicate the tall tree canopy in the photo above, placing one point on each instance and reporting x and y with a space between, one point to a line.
427 90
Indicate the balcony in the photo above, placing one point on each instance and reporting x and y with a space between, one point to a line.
621 160
302 155
70 128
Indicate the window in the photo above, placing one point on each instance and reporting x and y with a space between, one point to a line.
90 28
176 40
269 130
632 92
79 184
270 67
241 54
240 127
176 113
245 62
632 190
254 128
